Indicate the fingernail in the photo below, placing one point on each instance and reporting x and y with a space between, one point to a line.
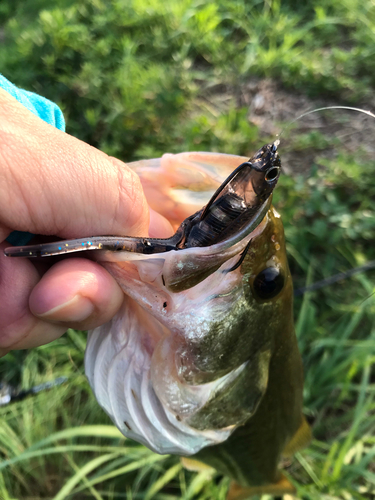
75 310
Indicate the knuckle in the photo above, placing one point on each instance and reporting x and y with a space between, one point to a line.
132 209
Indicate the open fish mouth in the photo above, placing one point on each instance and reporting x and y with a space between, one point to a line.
151 368
172 368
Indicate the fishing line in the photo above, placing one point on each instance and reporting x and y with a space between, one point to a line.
348 108
334 279
356 270
9 394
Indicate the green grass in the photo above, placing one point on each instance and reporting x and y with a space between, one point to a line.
140 78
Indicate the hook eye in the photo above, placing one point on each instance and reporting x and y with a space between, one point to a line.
272 174
275 145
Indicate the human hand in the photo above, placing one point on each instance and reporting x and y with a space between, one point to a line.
54 184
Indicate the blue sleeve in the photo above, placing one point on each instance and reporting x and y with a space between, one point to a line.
38 105
44 109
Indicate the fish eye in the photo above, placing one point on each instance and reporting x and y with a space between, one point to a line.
272 174
268 283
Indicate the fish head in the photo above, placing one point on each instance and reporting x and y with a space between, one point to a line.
185 361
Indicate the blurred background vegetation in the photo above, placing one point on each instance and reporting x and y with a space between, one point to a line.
144 77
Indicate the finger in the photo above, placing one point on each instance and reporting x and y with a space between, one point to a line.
52 183
4 232
160 227
78 293
17 279
73 293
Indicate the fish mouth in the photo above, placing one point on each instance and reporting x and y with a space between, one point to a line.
145 367
118 366
184 268
142 366
170 369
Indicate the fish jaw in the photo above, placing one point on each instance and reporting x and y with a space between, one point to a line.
120 365
182 269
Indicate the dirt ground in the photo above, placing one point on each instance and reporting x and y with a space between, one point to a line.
272 108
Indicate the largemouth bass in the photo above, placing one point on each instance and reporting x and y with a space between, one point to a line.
202 360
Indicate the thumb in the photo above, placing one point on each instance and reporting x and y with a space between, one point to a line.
54 184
